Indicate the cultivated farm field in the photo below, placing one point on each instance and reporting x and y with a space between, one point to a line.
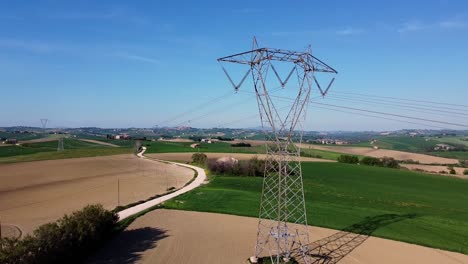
166 236
47 150
34 193
339 195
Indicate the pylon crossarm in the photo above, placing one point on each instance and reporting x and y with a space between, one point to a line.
308 61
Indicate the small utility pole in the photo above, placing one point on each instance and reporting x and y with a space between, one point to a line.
118 191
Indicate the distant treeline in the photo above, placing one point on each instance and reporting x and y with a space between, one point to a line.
370 161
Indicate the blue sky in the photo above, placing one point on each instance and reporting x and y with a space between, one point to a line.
129 63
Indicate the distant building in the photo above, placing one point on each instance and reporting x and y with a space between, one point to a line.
195 145
12 141
120 136
325 141
444 147
207 140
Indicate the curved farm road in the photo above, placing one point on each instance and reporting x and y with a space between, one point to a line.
201 177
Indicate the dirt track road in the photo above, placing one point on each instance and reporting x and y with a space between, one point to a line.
173 237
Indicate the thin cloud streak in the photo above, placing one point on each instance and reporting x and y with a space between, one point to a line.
31 46
137 58
115 14
454 24
350 31
413 26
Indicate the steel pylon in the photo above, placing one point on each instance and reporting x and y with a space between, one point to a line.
282 227
60 144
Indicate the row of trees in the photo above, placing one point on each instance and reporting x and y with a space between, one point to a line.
252 167
68 240
370 161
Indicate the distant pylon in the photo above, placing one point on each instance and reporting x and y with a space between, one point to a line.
60 144
137 146
282 200
44 122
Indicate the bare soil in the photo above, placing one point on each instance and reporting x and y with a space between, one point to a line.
380 153
187 156
437 169
171 236
34 193
99 142
46 139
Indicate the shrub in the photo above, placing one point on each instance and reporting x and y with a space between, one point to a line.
371 161
443 172
68 240
452 170
252 167
348 159
390 162
199 158
225 139
241 144
383 162
465 172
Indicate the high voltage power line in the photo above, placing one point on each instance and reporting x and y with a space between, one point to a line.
398 105
379 117
197 108
224 109
438 108
380 113
403 99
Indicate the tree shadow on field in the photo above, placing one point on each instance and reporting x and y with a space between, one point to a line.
332 249
128 246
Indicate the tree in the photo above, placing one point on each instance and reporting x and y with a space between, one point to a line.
348 159
371 161
199 158
390 162
452 170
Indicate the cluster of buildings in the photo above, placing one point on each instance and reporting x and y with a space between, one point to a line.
123 136
443 147
11 141
324 141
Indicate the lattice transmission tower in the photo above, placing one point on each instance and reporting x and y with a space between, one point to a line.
44 122
282 227
60 144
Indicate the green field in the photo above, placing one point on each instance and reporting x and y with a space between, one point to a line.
432 210
22 136
452 154
220 147
48 150
452 140
403 143
223 147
